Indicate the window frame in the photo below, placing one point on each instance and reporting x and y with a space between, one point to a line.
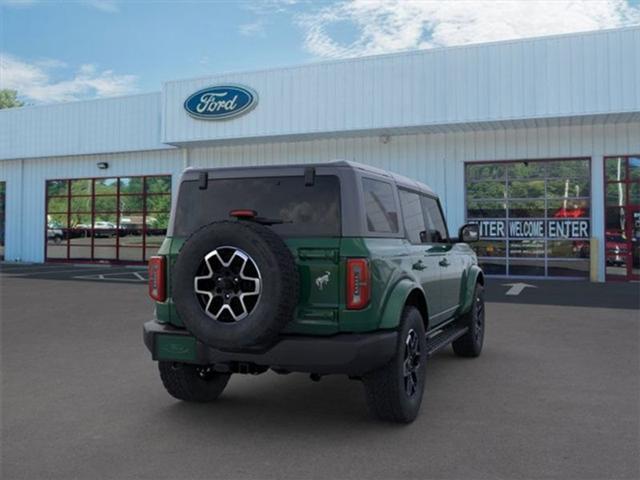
404 224
396 197
506 178
442 216
95 216
627 207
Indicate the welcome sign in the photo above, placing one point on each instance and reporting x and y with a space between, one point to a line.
221 102
555 229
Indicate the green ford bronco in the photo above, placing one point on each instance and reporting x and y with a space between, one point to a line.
332 268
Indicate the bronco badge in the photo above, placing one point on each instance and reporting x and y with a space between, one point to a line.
323 280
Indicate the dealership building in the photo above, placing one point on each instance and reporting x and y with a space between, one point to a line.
537 140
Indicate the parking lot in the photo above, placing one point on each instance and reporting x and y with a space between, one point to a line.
76 272
554 395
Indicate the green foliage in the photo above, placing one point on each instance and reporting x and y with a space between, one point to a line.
9 99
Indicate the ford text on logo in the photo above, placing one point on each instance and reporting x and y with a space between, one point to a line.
221 102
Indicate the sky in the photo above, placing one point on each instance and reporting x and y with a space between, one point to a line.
57 51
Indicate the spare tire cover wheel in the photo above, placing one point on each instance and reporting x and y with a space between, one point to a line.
235 284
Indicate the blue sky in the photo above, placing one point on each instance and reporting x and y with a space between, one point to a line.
53 51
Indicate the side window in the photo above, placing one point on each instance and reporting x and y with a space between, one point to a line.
412 215
380 205
436 227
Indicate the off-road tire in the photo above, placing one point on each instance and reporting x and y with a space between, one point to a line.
470 344
191 383
280 285
385 389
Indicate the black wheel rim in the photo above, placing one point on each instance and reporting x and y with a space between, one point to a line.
411 363
479 318
205 372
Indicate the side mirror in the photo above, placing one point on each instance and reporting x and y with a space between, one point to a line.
469 233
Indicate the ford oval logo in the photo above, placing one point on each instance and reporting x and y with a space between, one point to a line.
221 102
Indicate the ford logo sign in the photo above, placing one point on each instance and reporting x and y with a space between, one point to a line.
221 102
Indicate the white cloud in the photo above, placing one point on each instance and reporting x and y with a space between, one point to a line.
50 63
264 7
394 25
252 29
33 81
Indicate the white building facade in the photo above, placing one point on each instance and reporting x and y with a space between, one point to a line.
538 140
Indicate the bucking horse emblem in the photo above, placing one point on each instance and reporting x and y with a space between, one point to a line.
323 280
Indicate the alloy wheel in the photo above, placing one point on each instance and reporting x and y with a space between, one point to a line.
228 284
479 319
411 363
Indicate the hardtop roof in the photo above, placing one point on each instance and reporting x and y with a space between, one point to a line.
400 180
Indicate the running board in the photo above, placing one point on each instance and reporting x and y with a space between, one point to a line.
438 340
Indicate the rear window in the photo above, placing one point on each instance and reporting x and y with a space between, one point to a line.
306 210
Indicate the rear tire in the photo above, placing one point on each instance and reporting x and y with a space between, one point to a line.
394 392
192 383
470 344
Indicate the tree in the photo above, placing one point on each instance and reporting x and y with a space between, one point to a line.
9 99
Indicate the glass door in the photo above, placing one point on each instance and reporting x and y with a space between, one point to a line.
622 218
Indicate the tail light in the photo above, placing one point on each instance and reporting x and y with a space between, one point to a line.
157 280
358 284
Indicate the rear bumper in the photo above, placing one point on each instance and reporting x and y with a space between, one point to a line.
346 353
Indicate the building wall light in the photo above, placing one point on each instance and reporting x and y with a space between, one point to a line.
102 165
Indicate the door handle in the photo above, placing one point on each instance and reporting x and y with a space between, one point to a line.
419 265
444 262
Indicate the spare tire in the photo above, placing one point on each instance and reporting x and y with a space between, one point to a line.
235 285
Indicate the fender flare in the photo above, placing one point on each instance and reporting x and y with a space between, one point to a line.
473 275
396 301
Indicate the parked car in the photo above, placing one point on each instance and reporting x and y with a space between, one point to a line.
104 229
334 268
54 233
616 248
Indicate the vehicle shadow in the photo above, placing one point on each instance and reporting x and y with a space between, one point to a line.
292 403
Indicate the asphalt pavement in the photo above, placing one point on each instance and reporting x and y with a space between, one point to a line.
555 394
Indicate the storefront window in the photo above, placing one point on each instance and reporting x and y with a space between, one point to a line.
534 216
622 217
107 219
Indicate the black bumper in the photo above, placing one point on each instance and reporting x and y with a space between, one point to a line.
346 353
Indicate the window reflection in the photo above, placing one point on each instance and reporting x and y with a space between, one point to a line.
131 185
106 186
634 168
615 169
616 194
522 195
107 218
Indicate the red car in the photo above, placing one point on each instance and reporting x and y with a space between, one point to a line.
616 248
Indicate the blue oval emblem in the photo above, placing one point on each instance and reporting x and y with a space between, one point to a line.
220 102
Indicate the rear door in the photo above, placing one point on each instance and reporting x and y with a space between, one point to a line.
423 262
449 263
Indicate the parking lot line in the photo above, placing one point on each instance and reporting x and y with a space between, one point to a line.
43 272
26 268
114 276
